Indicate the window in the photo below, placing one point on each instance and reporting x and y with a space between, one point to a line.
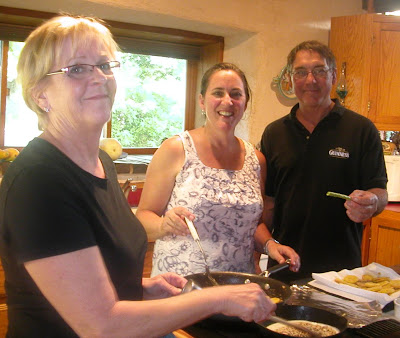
21 123
153 55
149 105
150 101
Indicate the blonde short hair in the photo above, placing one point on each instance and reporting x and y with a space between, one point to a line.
43 48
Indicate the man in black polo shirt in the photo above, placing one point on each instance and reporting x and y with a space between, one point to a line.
321 146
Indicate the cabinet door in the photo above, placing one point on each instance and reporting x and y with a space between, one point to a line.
350 40
385 76
385 239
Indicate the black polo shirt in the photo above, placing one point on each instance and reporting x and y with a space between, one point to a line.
343 153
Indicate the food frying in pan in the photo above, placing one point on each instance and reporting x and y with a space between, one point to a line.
275 300
322 330
369 282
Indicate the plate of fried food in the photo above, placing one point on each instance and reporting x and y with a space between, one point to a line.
371 282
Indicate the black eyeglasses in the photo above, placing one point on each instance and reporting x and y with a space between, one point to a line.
83 71
317 72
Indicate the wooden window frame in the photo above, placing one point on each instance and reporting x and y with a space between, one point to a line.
200 50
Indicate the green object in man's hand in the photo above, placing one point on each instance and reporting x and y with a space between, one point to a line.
335 194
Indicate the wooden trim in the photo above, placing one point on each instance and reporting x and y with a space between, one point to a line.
168 34
191 94
4 91
158 48
366 240
140 151
34 18
370 6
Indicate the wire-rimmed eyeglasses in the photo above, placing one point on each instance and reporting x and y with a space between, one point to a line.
317 72
82 71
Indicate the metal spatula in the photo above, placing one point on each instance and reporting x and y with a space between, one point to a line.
196 238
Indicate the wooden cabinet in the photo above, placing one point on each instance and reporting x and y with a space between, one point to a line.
370 46
384 245
381 238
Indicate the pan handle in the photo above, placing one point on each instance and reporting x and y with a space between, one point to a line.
275 268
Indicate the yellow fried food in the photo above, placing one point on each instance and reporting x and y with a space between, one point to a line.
367 278
387 290
395 283
341 281
374 288
350 279
372 283
275 300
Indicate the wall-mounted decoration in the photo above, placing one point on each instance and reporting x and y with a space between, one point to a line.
341 88
284 84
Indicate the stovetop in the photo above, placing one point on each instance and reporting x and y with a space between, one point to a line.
214 329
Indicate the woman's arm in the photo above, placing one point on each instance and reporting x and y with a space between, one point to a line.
78 286
160 181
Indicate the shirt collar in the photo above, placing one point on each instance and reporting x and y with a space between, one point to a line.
336 112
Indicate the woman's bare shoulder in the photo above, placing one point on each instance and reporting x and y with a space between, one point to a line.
172 145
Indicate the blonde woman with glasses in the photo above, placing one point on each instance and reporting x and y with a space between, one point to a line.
71 249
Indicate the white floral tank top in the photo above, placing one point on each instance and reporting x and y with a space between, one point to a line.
227 205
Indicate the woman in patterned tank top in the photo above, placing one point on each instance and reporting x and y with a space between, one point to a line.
216 180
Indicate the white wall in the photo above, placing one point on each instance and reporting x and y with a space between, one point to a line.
258 35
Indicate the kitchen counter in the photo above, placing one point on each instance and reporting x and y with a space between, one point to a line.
393 206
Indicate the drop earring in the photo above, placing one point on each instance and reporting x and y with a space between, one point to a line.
203 112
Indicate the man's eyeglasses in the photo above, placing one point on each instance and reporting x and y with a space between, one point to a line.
83 71
317 72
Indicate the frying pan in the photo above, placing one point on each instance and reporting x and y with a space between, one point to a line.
272 287
240 329
290 312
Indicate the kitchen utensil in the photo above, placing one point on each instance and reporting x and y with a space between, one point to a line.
335 194
281 320
298 312
196 238
276 268
190 286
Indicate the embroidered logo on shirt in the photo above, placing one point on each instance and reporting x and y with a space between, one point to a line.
339 153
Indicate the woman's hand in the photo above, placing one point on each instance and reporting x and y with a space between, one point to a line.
247 301
173 221
163 286
281 252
